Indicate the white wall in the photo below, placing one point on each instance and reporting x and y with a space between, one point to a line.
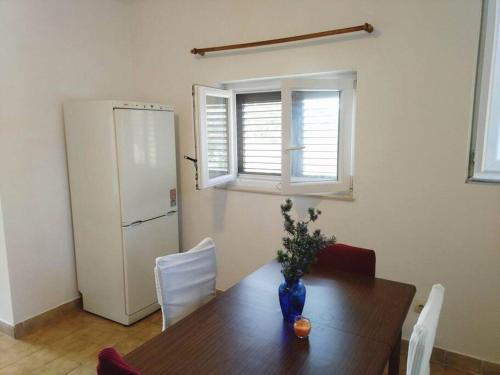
6 315
50 51
415 95
415 83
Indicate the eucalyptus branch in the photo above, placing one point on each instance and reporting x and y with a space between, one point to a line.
300 246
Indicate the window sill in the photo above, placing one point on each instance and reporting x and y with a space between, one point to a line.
478 180
270 185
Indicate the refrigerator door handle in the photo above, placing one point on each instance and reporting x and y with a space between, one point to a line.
137 222
134 223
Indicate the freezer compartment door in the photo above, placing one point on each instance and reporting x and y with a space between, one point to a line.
142 244
146 163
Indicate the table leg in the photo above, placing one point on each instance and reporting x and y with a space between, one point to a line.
395 357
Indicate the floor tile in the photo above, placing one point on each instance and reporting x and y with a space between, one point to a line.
71 345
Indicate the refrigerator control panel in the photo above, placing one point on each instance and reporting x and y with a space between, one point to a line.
140 105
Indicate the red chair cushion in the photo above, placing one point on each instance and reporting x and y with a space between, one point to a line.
111 363
347 259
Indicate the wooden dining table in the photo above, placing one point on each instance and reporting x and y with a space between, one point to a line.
356 329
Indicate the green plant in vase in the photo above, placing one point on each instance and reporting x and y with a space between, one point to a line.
296 258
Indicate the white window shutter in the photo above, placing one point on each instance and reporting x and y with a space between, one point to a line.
215 132
317 130
259 133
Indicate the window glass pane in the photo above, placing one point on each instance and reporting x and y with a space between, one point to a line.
259 133
492 143
217 135
315 128
484 163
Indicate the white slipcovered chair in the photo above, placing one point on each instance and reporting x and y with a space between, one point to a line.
185 281
424 333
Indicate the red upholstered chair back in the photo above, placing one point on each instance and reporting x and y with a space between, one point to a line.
347 259
111 363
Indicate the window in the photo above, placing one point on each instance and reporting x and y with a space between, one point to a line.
259 133
484 161
296 134
317 151
215 136
315 126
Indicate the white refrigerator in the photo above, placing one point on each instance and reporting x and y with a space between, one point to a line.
123 182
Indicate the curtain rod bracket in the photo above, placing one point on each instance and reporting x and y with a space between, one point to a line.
196 51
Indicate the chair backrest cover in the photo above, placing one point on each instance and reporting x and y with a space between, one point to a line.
424 333
185 281
111 363
347 259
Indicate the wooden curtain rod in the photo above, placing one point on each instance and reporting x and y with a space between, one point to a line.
366 27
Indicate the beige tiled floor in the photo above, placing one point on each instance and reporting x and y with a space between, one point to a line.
71 345
436 369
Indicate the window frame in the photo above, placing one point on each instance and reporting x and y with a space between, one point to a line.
272 184
200 94
483 125
345 148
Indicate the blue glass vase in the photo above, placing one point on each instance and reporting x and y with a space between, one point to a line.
292 298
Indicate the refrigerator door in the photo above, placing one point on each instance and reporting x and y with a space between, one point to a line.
142 244
146 163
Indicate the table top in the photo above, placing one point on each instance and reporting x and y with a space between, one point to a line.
356 321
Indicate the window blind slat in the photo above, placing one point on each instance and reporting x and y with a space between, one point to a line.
217 136
259 132
315 118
